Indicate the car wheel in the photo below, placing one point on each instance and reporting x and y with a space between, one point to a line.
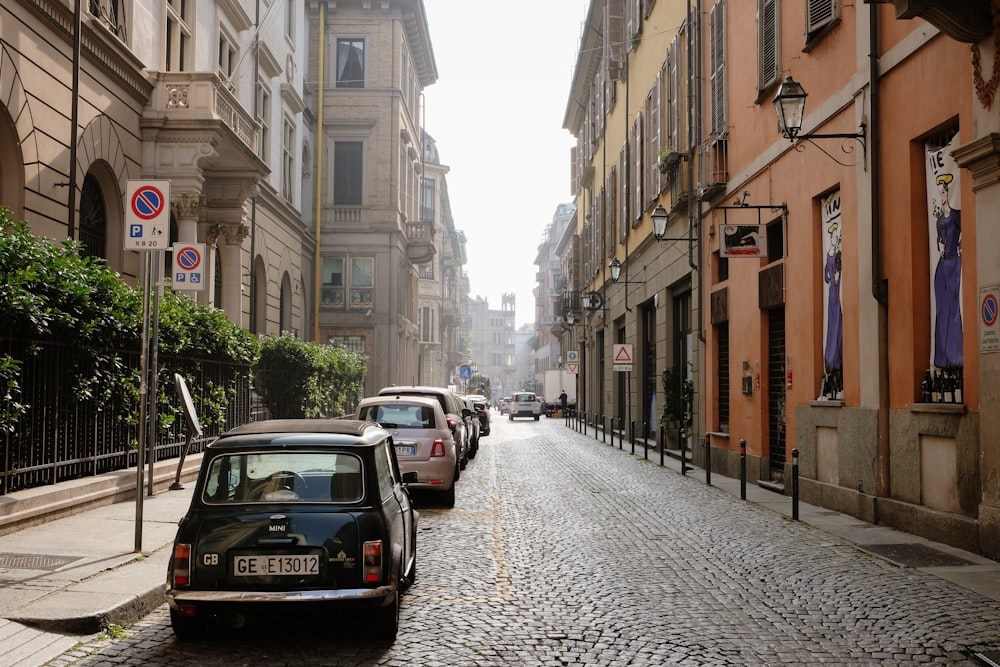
510 417
386 619
465 460
186 629
458 471
448 497
536 417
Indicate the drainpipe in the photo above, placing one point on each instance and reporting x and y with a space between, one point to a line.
74 119
879 287
320 56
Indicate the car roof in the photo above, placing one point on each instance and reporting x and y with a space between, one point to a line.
389 399
402 389
311 432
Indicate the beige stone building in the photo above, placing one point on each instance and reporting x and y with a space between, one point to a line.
207 96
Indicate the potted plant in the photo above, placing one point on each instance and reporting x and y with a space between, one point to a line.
670 157
635 40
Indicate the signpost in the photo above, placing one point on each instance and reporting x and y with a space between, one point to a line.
147 228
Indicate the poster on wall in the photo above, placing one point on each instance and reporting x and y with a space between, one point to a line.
833 316
943 379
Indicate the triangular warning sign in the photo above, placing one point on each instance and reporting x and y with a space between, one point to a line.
623 356
571 367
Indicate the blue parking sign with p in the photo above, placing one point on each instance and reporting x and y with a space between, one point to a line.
187 274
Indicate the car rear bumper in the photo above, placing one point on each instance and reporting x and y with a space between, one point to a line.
183 598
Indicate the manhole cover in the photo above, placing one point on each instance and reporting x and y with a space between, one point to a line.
914 555
34 561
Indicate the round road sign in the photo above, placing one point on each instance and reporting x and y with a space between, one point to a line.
148 202
188 258
989 310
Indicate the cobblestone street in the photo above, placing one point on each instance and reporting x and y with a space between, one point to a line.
564 551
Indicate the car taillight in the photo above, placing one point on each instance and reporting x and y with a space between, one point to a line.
373 561
437 449
182 564
451 423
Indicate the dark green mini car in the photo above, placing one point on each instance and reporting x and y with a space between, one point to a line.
294 515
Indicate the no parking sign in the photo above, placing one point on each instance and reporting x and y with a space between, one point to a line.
188 271
147 215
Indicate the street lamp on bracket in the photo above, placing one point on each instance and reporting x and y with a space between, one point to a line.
790 104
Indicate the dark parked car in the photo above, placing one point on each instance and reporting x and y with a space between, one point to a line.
296 515
482 409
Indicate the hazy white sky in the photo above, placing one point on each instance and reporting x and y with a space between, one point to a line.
496 112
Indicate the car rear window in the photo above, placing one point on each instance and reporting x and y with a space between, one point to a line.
399 415
525 398
284 477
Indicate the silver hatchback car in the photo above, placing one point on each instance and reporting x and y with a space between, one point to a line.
423 440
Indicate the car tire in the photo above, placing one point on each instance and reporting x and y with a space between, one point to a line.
448 497
458 471
186 629
386 619
536 417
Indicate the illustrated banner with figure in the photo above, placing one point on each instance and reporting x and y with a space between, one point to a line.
833 317
945 229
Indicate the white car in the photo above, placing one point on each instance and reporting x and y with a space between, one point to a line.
524 404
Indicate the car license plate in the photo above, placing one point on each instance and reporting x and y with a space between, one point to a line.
275 565
405 450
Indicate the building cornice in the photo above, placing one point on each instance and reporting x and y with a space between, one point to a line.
962 20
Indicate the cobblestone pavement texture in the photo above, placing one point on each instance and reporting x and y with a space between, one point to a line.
564 551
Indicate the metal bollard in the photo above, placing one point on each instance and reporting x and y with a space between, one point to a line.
604 429
645 441
743 469
621 432
795 485
631 434
684 457
663 445
708 459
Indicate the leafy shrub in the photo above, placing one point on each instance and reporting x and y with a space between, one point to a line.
298 379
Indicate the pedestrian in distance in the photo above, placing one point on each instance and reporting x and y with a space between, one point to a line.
562 400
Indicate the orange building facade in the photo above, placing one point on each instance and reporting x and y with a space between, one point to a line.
844 275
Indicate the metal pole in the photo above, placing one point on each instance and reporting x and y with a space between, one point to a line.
604 429
795 485
684 456
631 434
143 372
154 362
743 469
645 441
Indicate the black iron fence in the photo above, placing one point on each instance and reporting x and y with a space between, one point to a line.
61 437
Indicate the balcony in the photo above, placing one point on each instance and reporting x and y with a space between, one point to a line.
197 106
419 241
713 166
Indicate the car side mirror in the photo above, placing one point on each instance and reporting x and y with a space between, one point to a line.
466 412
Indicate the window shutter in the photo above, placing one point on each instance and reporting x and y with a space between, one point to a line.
767 43
718 67
819 14
614 38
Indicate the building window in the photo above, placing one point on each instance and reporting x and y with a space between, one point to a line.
333 281
228 54
178 37
347 173
362 281
287 159
426 271
350 343
290 20
264 118
768 56
427 324
427 199
821 16
93 219
112 14
350 62
776 240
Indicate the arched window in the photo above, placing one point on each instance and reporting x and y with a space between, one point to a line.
93 220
